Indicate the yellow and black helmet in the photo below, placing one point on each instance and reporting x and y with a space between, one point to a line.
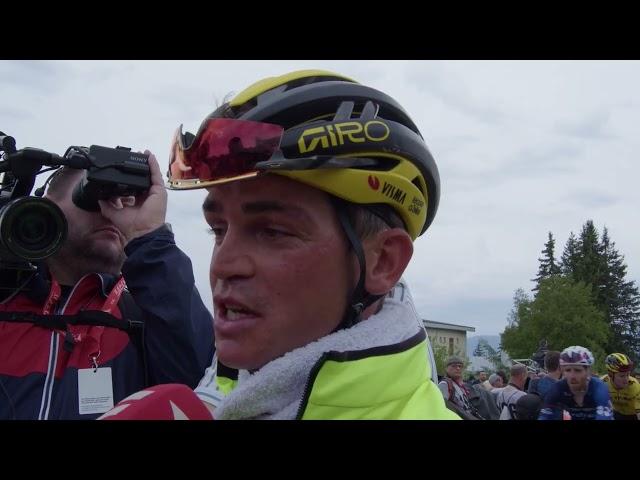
326 131
618 362
347 139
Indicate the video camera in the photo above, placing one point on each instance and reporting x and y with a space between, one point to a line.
539 355
32 228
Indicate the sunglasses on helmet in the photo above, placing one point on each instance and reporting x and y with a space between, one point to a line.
226 149
223 149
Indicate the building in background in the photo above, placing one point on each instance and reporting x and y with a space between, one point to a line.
448 335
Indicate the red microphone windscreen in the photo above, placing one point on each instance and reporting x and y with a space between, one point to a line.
170 401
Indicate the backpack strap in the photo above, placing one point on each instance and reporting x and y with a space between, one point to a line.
451 389
132 313
84 317
511 406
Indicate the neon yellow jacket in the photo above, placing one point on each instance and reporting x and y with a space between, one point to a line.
377 369
391 382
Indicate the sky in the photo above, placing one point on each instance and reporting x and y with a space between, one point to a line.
523 148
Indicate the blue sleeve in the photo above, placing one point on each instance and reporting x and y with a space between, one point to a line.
604 410
178 327
551 408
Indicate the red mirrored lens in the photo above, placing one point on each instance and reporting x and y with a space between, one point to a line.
224 148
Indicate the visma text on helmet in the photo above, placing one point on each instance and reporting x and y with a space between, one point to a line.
394 193
339 133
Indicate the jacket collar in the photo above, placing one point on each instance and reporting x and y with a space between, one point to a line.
41 283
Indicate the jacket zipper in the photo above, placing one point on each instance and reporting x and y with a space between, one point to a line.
47 392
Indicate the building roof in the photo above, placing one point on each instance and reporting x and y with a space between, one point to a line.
447 326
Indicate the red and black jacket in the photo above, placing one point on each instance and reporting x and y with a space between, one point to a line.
159 332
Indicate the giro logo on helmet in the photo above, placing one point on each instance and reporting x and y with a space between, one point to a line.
339 133
374 182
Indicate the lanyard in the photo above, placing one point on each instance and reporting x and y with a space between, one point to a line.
52 299
108 306
114 296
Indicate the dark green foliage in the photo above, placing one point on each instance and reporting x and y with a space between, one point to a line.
564 314
589 265
548 265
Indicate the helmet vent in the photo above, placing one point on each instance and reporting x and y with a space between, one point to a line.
369 112
344 111
300 82
416 182
269 94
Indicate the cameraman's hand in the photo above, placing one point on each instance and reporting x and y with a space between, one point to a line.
145 213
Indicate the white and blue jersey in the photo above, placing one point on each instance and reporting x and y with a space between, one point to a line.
596 404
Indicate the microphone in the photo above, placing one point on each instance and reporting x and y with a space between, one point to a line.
171 401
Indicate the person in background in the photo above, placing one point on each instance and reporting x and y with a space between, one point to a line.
508 396
542 385
578 395
454 391
120 270
480 377
623 388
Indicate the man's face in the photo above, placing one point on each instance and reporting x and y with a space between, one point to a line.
280 271
621 379
576 376
482 376
92 240
454 371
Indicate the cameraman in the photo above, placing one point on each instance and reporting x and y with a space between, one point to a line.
83 370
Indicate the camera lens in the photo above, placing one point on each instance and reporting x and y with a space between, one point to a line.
32 228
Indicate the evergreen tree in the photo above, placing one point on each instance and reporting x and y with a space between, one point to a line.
597 264
548 265
590 266
486 351
520 301
564 314
619 300
570 256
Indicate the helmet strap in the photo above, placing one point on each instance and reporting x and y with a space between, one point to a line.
360 299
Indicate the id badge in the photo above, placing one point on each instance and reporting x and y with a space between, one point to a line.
95 390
